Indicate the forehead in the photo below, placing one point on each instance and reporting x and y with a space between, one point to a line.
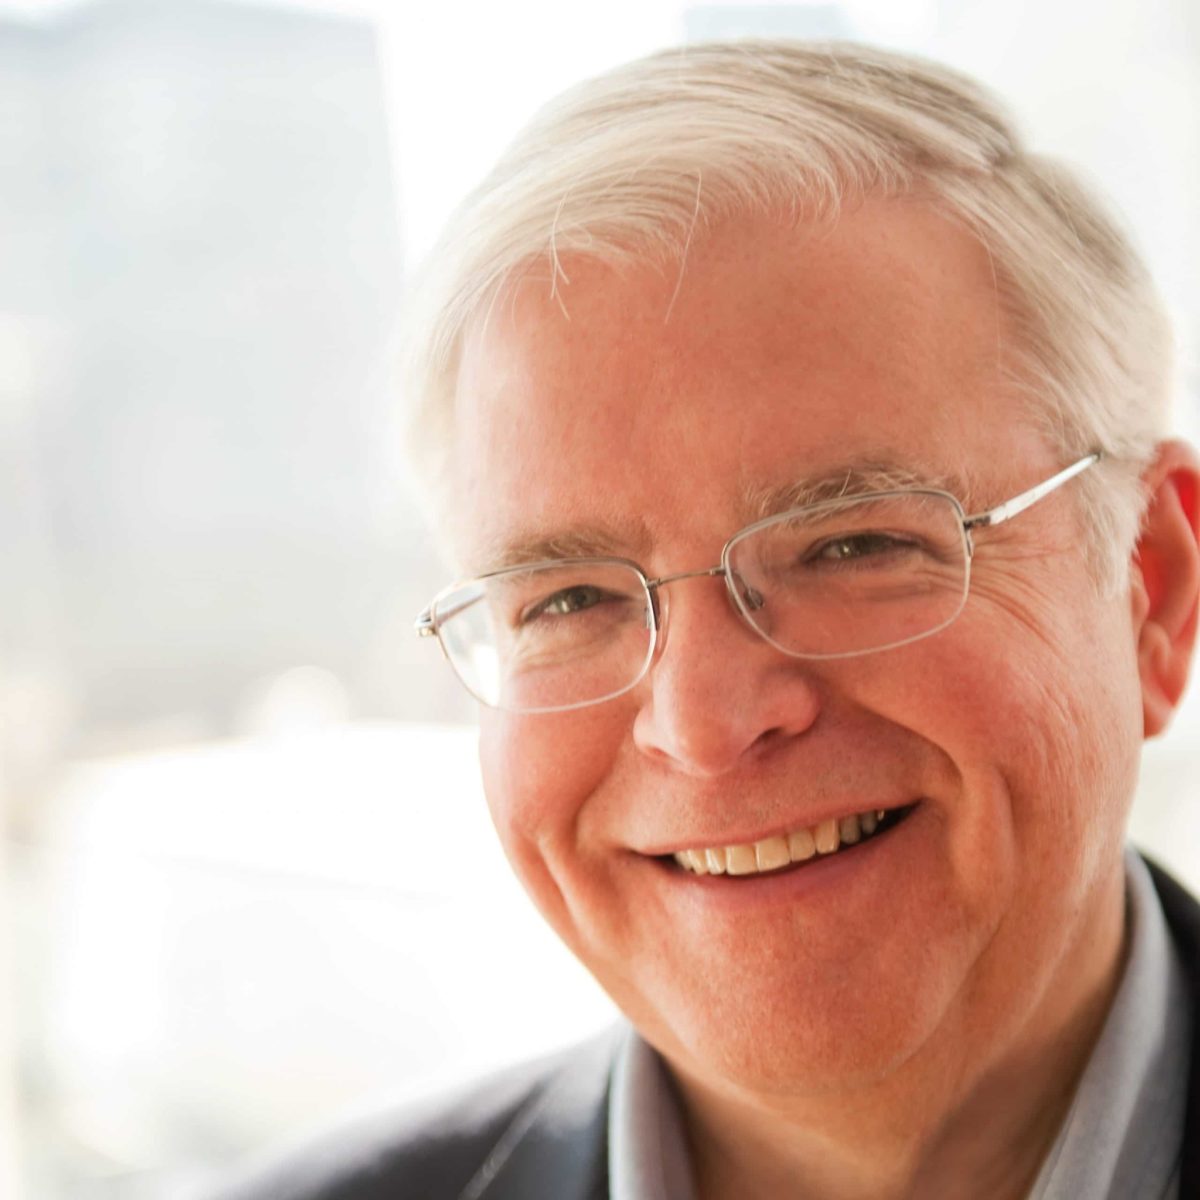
642 405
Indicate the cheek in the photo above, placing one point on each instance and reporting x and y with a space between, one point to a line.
539 772
1043 686
1043 730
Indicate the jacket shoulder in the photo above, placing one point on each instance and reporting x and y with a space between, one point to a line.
462 1145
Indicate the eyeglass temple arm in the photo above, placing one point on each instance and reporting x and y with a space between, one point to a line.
1018 504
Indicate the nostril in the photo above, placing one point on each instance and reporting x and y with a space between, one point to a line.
768 738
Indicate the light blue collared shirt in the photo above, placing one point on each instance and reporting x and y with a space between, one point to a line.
1123 1135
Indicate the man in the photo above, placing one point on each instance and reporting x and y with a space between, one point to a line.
801 440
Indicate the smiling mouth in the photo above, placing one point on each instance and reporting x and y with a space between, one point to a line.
772 854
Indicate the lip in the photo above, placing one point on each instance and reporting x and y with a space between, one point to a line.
746 839
800 882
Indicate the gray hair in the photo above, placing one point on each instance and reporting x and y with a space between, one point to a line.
624 168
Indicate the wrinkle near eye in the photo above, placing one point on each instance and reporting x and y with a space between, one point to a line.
1023 597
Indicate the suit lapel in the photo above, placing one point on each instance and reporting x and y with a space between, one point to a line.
1183 917
557 1144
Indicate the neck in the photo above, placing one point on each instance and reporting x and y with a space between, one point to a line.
965 1116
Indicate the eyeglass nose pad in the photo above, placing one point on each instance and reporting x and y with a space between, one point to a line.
753 598
750 596
653 614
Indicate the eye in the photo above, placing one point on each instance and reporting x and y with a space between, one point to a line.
850 546
566 601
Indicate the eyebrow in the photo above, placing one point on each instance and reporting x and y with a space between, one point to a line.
600 541
852 479
586 541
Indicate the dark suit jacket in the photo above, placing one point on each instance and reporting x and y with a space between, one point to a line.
540 1132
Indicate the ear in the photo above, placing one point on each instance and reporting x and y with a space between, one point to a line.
1166 581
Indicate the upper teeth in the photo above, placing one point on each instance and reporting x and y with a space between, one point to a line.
749 858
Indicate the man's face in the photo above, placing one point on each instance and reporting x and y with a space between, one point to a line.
642 423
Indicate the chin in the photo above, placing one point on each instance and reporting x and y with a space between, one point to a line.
791 1039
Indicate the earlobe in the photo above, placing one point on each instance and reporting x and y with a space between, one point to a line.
1166 581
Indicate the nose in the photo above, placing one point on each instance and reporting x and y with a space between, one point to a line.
718 694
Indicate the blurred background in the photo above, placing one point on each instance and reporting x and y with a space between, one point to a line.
247 874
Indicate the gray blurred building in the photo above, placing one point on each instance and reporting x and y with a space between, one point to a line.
199 274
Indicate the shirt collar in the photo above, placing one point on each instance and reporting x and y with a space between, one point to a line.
1123 1134
647 1151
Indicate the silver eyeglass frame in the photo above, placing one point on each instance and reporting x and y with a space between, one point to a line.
430 619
